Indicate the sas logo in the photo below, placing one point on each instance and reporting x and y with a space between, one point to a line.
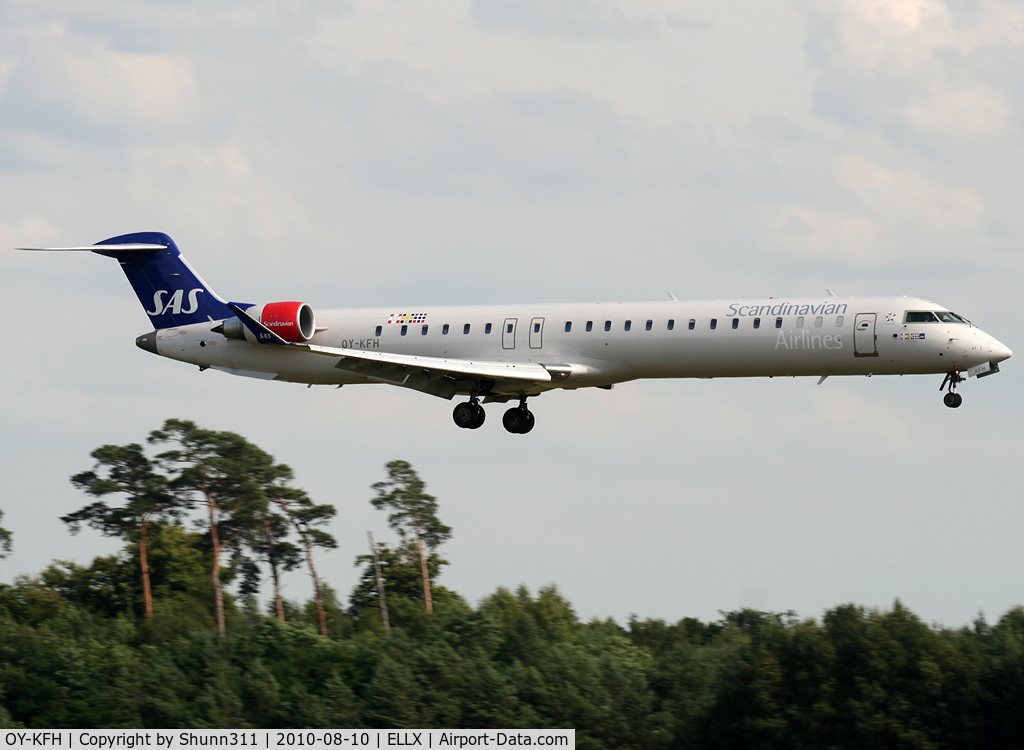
173 305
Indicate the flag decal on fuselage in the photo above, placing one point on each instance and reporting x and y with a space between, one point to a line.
407 317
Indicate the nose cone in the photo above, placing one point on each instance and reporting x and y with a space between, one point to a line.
998 352
147 341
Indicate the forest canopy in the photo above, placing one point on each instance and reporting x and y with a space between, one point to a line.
169 633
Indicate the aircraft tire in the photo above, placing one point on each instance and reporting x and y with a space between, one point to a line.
479 415
530 422
952 400
518 420
464 415
513 420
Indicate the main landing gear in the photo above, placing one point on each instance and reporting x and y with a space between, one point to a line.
469 414
952 399
518 420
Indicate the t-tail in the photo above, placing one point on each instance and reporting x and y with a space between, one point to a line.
171 292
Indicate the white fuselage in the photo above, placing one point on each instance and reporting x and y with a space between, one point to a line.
607 343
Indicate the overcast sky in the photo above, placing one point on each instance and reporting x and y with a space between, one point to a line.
418 153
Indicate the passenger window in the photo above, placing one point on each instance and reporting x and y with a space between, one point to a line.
405 330
650 324
757 322
693 324
444 330
671 324
465 328
800 322
424 330
487 328
536 327
778 322
735 323
607 325
629 324
818 321
568 326
380 330
839 322
590 326
714 323
509 328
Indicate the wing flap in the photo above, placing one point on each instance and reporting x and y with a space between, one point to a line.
363 362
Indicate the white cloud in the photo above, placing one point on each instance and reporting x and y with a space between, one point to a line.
376 153
66 83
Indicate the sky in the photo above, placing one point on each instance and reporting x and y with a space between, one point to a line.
406 152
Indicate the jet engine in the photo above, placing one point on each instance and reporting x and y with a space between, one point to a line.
292 321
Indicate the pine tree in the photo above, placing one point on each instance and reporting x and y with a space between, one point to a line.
414 514
125 469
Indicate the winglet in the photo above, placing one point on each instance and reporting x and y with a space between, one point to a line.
263 334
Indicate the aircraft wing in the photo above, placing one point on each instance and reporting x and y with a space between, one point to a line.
437 376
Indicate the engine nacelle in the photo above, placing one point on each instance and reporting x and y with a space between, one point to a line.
292 321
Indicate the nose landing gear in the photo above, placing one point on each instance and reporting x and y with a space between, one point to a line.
952 399
469 414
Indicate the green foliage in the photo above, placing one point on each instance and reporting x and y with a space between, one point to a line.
110 586
403 580
6 545
76 651
413 511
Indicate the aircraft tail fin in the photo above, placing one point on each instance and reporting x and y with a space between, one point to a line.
171 292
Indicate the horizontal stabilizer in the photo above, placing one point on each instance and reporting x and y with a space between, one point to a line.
139 247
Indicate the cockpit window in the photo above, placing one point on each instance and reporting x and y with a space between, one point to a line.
949 317
921 317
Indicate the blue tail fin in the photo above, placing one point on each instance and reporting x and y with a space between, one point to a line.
170 291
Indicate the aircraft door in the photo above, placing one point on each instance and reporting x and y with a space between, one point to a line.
537 333
508 333
864 335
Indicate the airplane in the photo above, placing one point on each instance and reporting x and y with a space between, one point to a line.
502 353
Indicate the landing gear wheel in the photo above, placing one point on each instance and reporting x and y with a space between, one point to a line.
479 415
469 415
530 421
517 420
952 400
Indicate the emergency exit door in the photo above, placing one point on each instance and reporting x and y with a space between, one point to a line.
508 333
537 333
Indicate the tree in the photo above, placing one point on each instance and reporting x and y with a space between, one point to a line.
5 540
269 545
414 514
219 466
306 516
402 579
125 469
